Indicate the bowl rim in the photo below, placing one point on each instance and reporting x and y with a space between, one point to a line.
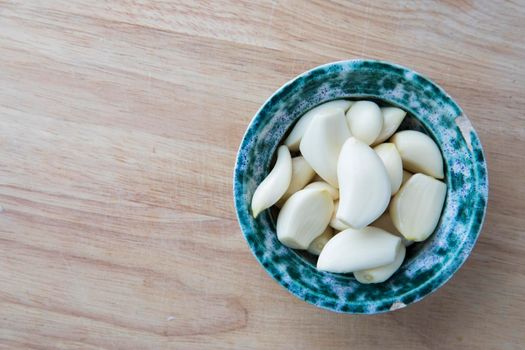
449 268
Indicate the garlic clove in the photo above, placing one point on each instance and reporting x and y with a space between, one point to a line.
364 185
294 138
355 250
416 208
321 185
392 161
406 176
365 121
275 184
302 173
336 223
381 273
385 222
392 118
318 244
322 142
419 153
304 217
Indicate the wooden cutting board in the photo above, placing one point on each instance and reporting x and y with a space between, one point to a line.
119 125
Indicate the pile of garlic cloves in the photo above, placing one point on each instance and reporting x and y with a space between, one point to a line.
359 192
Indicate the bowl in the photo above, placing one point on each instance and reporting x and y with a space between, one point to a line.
429 264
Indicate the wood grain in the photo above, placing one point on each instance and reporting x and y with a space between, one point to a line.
120 122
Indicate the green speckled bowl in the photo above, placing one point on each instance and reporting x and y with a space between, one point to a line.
428 264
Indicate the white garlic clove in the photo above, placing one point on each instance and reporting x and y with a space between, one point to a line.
365 121
392 118
304 217
302 173
385 222
364 185
406 176
318 244
419 153
416 208
392 161
294 138
272 188
322 142
356 250
336 223
381 273
325 186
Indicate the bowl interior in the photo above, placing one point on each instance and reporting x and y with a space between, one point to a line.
429 264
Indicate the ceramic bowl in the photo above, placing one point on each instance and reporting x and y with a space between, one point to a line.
429 264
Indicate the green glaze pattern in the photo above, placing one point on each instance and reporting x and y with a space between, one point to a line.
428 264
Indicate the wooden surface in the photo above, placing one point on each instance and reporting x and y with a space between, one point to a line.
119 125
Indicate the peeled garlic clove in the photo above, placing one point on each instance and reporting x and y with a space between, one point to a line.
392 161
385 222
302 173
416 207
336 223
406 176
324 186
294 138
275 184
419 153
392 118
364 185
304 217
322 142
356 250
365 121
381 273
318 244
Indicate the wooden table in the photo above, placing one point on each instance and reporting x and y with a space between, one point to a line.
119 126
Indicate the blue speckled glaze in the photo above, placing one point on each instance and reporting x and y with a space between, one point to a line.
429 264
